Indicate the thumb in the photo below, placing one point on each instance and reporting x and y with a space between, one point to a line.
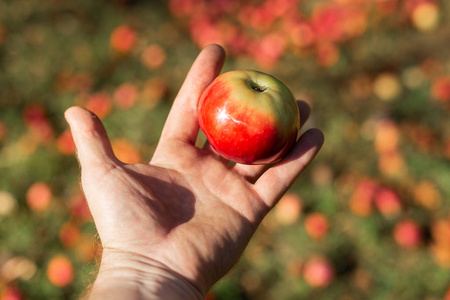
92 143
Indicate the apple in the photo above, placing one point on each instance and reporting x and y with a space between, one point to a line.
408 234
249 117
288 209
10 293
316 225
60 271
388 202
318 272
69 234
123 39
39 196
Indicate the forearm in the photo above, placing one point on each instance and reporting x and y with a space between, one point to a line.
124 276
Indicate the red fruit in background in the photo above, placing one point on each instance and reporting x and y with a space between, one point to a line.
181 8
441 255
65 143
3 33
34 115
332 22
99 104
288 209
361 201
249 117
126 151
391 163
408 234
427 195
387 7
412 5
39 196
2 130
60 271
388 202
234 38
259 18
35 118
123 39
440 249
318 272
301 33
447 294
387 135
425 16
327 54
316 225
440 231
203 31
125 95
268 50
153 56
440 89
10 293
326 21
69 234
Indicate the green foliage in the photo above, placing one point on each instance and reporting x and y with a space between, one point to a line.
370 74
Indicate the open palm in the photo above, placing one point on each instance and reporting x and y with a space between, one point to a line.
187 211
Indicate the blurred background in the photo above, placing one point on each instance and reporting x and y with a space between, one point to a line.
369 219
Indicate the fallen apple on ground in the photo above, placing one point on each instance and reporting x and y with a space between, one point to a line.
249 117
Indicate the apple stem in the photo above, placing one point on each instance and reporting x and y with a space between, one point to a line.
257 88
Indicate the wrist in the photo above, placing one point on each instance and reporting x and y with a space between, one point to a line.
132 276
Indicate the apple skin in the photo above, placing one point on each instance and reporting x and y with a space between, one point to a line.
249 117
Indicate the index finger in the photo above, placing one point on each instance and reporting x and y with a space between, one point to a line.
182 124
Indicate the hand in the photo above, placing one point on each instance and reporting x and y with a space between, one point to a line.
176 225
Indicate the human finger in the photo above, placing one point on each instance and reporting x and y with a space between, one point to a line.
182 124
92 143
305 111
276 180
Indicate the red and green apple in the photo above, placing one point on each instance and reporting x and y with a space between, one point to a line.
249 117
